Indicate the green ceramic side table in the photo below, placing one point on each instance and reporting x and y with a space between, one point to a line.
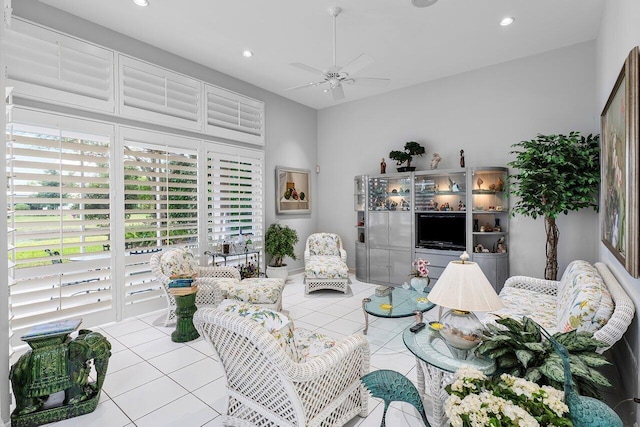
185 308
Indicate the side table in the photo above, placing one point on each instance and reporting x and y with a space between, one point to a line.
185 308
436 366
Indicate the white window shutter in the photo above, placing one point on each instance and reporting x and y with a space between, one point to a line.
46 65
234 116
152 93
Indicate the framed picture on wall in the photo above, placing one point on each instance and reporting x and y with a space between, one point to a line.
619 164
293 191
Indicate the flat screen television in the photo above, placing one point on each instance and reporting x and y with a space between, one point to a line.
445 231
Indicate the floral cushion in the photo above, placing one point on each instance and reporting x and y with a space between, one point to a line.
256 290
523 302
278 325
179 262
325 267
581 294
324 244
310 344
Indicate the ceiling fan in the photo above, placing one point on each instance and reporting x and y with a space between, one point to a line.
335 76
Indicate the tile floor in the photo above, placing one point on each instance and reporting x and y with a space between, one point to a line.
153 381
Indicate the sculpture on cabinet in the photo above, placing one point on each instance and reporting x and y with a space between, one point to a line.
383 166
435 159
461 158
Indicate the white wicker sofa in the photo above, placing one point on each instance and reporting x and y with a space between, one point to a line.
586 298
282 376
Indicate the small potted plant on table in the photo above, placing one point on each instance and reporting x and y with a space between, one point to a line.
279 243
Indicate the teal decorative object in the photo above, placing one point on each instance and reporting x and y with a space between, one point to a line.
57 363
392 386
584 411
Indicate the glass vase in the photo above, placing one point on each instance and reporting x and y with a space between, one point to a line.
419 283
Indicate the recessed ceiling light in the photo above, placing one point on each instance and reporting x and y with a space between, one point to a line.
507 21
141 2
247 53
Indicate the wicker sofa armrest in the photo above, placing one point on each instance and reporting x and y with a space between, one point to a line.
549 287
219 272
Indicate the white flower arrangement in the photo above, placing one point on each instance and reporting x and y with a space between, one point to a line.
477 401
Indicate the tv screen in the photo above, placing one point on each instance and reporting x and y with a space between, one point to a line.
441 230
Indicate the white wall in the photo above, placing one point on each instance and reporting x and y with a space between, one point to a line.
483 112
619 33
290 127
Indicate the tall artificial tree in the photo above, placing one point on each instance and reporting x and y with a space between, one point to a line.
555 174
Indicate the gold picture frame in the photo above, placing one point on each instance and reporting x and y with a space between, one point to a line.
293 191
619 167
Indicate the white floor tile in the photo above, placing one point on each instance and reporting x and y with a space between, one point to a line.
143 400
188 411
141 337
125 327
203 347
397 361
123 359
214 394
129 378
156 347
318 319
216 422
345 327
177 359
198 374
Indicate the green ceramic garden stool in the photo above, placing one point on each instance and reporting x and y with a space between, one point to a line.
185 308
392 386
58 364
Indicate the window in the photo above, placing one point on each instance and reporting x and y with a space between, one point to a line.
59 199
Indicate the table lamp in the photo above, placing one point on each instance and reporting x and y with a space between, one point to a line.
463 288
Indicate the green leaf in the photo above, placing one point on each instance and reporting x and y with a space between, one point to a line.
552 368
593 360
524 356
535 346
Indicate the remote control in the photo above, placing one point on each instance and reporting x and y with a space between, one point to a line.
417 327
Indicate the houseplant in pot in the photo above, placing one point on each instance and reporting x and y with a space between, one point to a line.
411 149
279 243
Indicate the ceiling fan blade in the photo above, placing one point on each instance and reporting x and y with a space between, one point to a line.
305 85
307 68
337 93
357 64
370 81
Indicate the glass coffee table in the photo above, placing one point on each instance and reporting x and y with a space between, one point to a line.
395 302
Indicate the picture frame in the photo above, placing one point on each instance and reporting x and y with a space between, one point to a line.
619 167
293 191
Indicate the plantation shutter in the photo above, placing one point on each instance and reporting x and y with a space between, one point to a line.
44 64
155 94
233 116
161 207
235 196
59 193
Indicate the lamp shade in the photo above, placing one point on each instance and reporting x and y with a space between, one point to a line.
463 286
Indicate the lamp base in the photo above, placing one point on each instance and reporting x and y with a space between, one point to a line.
462 332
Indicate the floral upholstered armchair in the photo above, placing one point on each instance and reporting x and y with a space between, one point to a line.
325 263
278 375
214 283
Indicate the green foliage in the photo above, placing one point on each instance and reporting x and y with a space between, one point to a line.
21 207
519 350
556 174
279 243
411 149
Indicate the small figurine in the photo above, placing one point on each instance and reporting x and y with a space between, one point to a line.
383 166
460 205
500 184
492 187
435 160
480 181
502 246
461 158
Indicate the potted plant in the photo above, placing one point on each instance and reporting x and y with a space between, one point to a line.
556 174
411 149
279 243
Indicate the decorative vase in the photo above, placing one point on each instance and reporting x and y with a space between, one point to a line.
420 283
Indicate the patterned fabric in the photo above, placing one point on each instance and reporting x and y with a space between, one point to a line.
310 344
257 290
325 267
581 294
278 325
324 244
523 302
179 262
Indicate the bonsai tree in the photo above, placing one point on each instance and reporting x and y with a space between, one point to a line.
555 174
279 243
411 149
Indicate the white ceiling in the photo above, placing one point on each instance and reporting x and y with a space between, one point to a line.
410 45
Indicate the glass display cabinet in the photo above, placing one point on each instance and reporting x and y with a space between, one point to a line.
360 207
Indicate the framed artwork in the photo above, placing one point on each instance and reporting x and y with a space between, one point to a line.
293 191
619 166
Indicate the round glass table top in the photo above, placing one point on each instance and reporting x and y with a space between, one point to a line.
429 346
400 302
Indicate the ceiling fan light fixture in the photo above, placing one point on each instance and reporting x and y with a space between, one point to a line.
247 53
142 3
423 3
506 21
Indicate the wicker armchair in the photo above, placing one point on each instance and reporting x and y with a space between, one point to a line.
325 263
266 386
209 292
